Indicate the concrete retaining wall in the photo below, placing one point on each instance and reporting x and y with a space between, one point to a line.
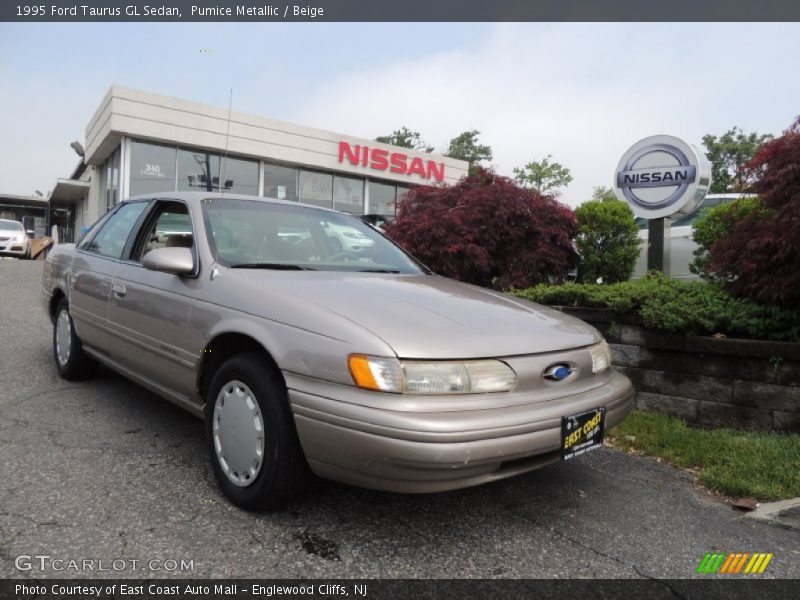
708 381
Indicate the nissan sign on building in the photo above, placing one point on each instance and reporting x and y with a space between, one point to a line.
661 177
143 143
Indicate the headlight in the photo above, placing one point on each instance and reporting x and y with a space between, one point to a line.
601 357
431 377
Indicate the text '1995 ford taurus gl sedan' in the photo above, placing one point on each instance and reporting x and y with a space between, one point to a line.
354 362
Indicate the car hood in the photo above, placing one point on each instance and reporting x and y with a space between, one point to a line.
429 316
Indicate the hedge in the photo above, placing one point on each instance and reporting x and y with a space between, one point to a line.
693 307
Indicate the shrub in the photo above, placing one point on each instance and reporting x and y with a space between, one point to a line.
607 241
697 307
718 223
488 231
760 258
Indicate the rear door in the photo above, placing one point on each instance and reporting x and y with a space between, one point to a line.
149 311
89 279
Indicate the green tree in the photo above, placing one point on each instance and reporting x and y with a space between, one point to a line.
607 241
405 138
544 176
602 192
729 155
715 224
465 146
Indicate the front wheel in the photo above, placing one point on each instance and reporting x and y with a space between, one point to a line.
250 433
71 360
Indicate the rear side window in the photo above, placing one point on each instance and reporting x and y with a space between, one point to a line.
114 233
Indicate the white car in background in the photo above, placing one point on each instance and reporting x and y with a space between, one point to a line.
13 239
348 239
682 244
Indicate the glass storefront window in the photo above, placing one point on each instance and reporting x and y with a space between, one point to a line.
109 185
316 188
241 174
152 168
381 198
402 190
348 194
280 182
198 171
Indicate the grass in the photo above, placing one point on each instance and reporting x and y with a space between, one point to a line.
761 465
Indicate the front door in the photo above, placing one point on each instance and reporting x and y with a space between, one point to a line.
149 311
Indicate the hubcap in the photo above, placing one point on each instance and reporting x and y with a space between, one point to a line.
63 337
238 429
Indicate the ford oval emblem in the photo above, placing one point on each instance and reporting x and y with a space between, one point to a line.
557 372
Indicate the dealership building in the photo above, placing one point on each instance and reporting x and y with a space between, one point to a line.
143 143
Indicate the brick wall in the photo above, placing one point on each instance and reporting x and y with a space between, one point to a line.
708 381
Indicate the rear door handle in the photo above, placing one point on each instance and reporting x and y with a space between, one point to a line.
118 290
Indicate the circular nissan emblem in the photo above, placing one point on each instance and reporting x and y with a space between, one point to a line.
662 176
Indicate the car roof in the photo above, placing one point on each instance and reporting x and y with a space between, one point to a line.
198 196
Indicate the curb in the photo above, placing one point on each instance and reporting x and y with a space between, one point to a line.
785 513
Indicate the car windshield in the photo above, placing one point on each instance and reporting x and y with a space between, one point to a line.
266 235
10 225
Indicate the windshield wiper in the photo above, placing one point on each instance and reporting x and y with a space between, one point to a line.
275 266
378 271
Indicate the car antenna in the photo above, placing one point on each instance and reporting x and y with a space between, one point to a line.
222 181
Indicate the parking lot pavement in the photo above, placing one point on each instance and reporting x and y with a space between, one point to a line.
105 470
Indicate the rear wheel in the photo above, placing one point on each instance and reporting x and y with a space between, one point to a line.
71 360
250 433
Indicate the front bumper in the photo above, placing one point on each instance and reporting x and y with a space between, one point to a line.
19 249
405 451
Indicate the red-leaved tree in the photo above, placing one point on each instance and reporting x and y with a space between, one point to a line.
761 256
488 231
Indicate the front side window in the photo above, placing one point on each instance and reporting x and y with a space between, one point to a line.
169 227
114 233
257 234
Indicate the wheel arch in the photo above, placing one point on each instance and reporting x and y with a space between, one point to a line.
56 297
225 345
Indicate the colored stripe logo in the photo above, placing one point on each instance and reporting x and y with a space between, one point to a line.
735 563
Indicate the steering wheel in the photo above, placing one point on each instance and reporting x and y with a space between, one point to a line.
346 255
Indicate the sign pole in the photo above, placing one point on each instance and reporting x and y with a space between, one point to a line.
658 245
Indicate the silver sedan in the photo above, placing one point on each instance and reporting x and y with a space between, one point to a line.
306 357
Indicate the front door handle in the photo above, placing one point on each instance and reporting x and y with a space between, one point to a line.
118 290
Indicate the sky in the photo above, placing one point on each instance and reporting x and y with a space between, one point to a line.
582 93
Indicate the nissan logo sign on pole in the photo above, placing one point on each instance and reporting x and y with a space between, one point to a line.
662 177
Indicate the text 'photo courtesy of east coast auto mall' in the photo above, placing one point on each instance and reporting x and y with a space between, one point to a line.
421 300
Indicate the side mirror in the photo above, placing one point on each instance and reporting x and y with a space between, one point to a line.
30 232
177 261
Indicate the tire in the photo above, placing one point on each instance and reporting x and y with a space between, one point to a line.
71 360
246 393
